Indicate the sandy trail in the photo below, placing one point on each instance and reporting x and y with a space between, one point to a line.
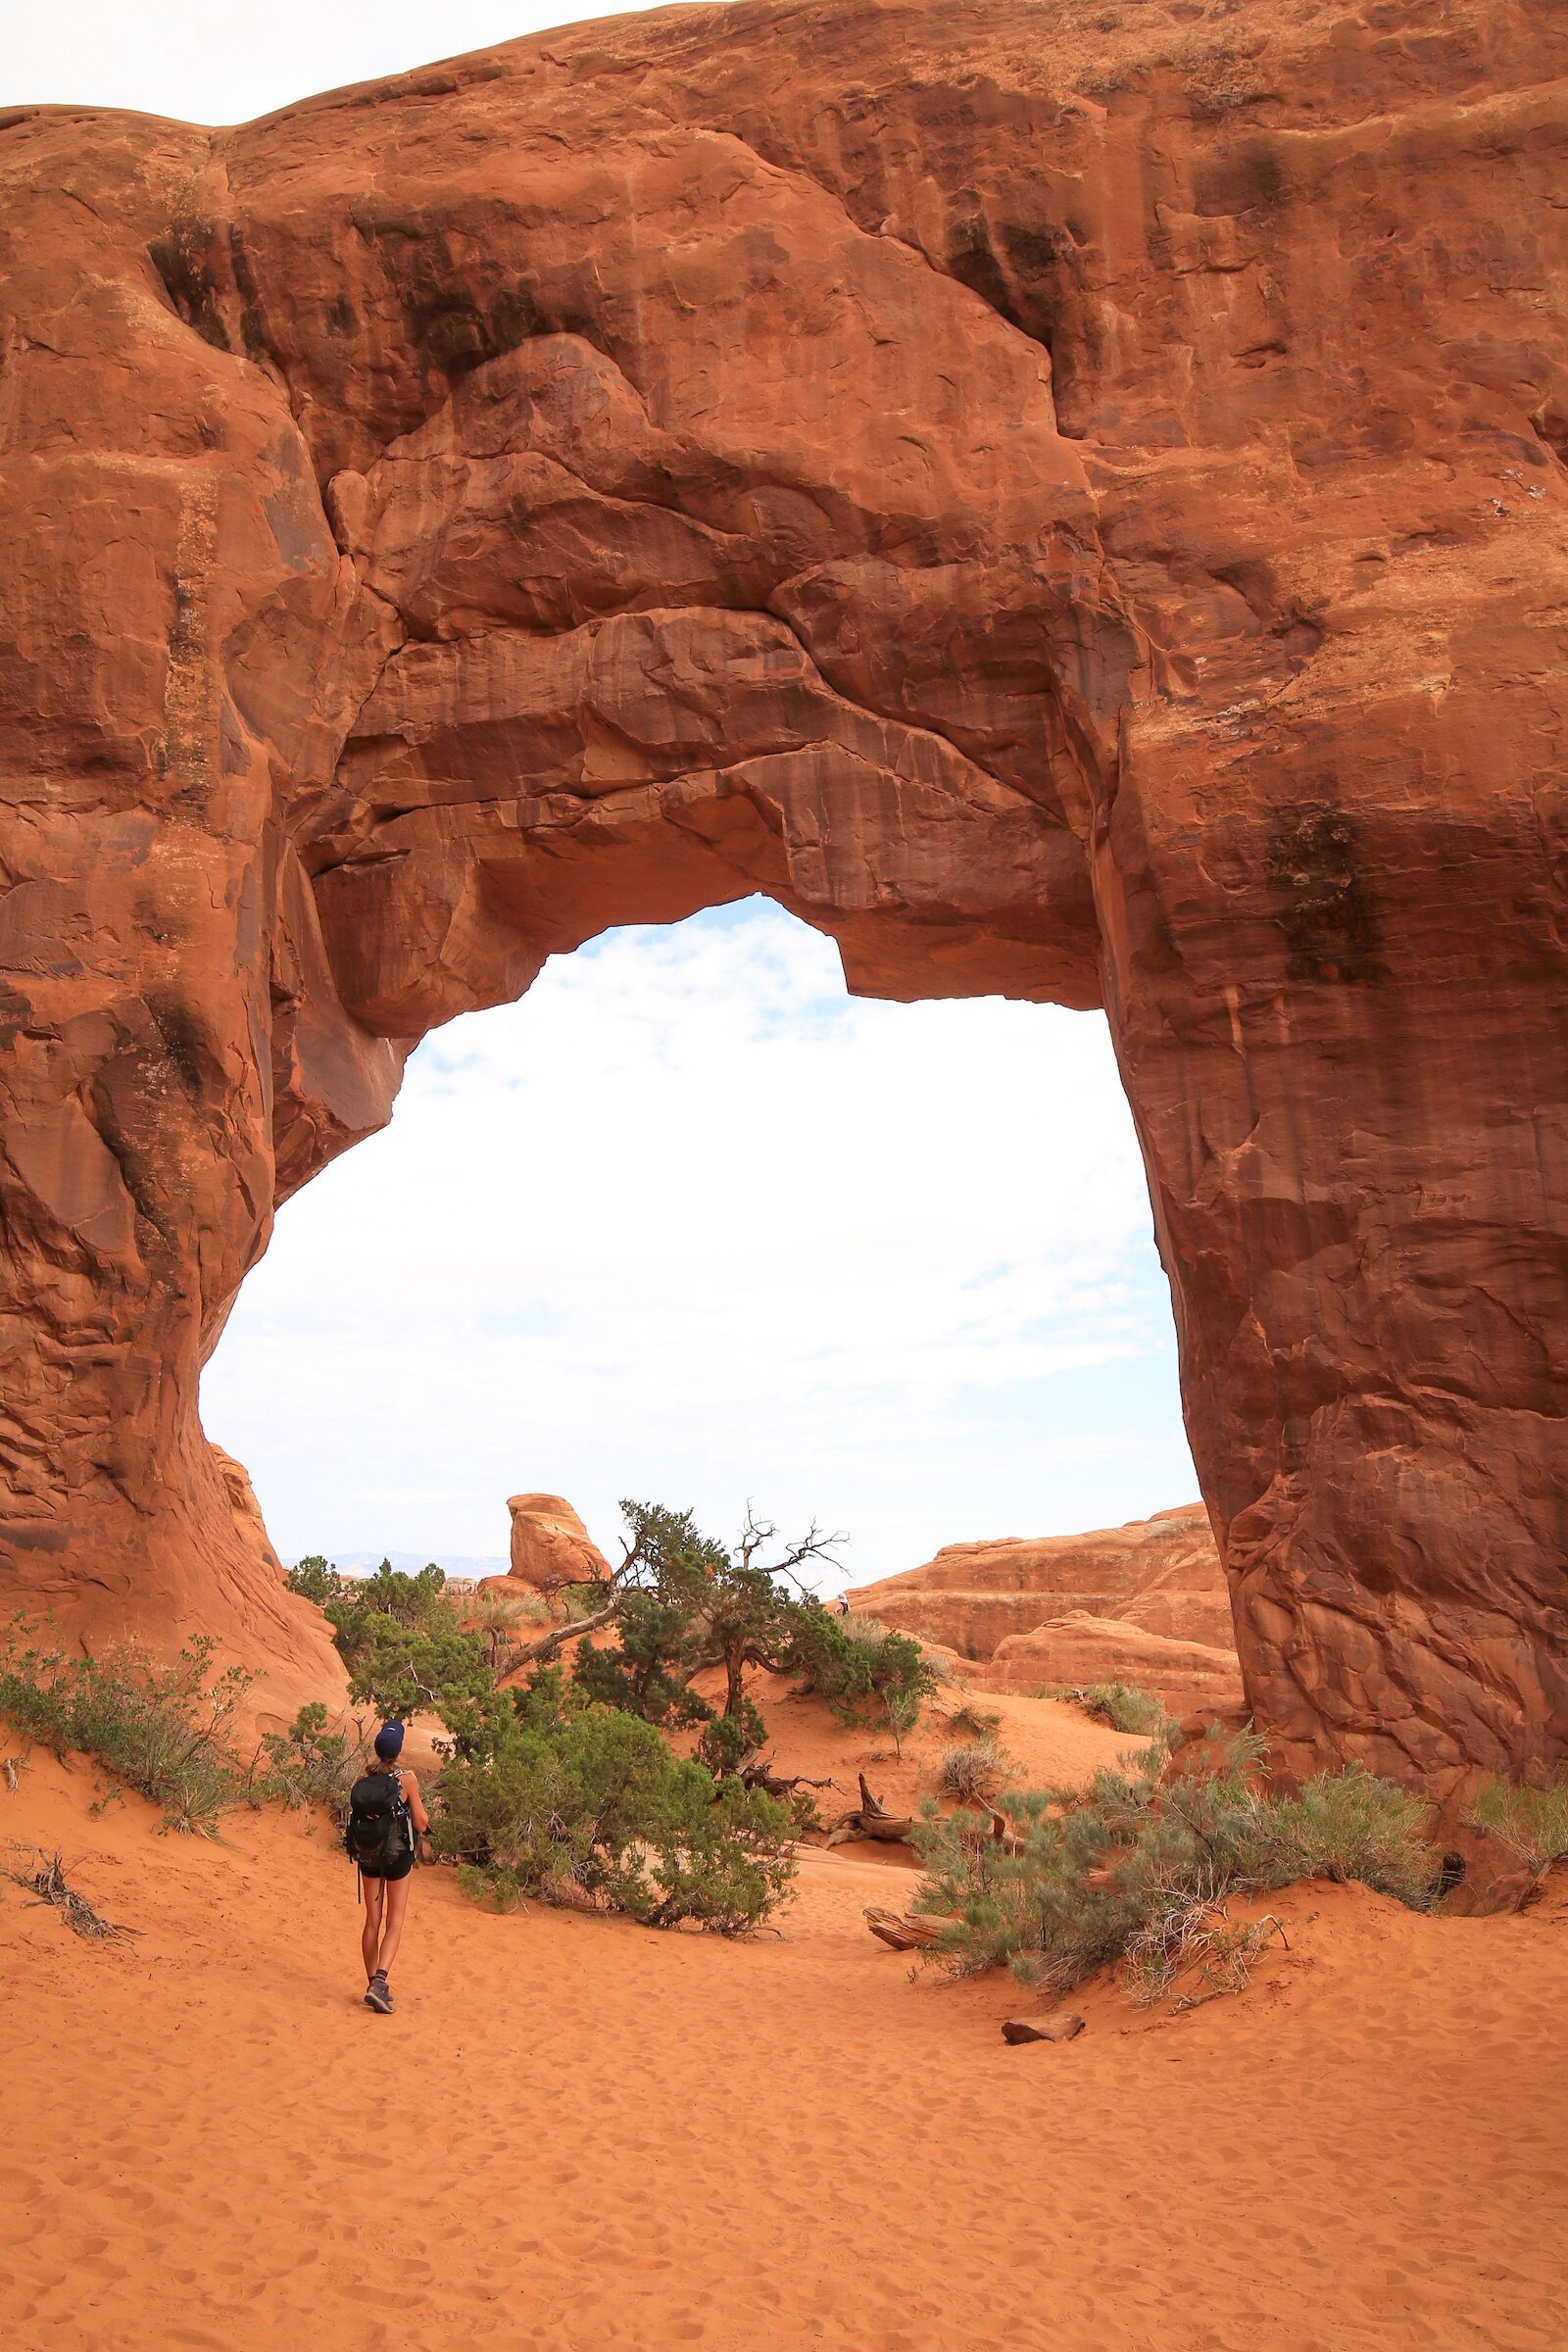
577 2134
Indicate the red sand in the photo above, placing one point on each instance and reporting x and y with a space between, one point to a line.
576 2134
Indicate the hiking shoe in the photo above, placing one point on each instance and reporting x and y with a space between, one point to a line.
378 1994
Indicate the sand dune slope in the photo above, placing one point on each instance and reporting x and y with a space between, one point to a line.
575 2134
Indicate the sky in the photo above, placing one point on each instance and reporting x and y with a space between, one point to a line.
691 1225
688 1224
227 61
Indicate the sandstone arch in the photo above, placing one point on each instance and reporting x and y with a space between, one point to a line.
1069 509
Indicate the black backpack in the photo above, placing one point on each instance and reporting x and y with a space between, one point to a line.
380 1832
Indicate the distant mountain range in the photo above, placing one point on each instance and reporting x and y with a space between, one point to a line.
456 1563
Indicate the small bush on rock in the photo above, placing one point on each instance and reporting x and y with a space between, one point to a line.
1533 1823
315 1579
1124 1706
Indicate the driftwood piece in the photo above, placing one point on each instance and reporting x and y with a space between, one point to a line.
753 1772
897 1928
1063 2025
871 1818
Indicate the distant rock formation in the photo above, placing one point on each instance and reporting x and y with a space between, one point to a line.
1162 1573
1143 1603
550 1544
1071 503
1078 1649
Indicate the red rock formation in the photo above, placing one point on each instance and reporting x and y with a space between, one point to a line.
1162 1573
550 1544
1072 504
1078 1649
1143 1603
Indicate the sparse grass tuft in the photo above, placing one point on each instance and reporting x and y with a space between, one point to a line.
1124 1706
1190 1948
1533 1823
974 1769
974 1722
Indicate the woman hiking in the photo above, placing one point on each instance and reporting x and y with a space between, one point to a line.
385 1817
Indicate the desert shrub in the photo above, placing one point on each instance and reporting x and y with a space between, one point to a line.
972 1769
1124 1706
318 1580
1533 1823
567 1797
1089 1871
681 1601
971 1721
865 1674
161 1726
405 1650
1189 1939
728 1740
661 1648
307 1765
1349 1825
499 1618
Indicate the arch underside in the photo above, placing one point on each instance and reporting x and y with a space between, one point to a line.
1064 537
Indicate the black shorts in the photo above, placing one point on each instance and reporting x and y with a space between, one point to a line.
399 1870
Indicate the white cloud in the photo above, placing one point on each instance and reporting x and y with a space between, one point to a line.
228 61
690 1223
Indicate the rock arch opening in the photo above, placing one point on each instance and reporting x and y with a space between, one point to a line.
690 1222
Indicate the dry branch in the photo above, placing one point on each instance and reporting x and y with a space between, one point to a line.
47 1885
755 1773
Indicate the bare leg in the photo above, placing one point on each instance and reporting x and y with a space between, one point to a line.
397 1902
374 1890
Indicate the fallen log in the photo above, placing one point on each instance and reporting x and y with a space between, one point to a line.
1063 2025
897 1928
871 1818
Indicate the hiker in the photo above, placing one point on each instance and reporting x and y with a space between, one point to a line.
385 1817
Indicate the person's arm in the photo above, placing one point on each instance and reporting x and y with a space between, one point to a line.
415 1804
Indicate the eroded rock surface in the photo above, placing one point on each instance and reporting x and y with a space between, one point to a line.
1144 1604
1162 1573
1071 503
1080 1649
550 1545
